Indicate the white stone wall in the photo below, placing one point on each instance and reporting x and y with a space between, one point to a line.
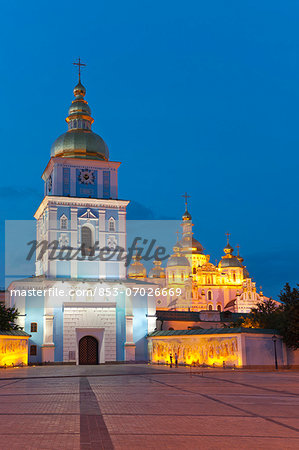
91 316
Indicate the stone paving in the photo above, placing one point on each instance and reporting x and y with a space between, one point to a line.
147 407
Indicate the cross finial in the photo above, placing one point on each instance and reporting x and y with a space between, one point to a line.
227 236
238 247
79 64
186 196
177 235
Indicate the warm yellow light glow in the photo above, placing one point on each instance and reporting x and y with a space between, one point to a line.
195 349
13 350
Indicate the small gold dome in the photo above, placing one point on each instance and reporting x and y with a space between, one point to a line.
79 90
186 215
157 271
136 269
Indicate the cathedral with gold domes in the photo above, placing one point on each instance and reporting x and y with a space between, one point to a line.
88 309
225 286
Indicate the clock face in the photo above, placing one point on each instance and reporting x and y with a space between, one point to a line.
86 176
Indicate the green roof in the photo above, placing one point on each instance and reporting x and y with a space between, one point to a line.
14 333
192 316
211 331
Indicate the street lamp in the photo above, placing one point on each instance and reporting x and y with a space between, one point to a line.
274 339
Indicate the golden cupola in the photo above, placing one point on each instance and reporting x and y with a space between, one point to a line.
157 271
177 259
229 259
136 269
80 141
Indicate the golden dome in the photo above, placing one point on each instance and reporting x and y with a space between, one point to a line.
186 215
136 269
157 271
230 262
80 141
79 90
80 144
177 259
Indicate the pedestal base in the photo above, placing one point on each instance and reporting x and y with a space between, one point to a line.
130 352
48 353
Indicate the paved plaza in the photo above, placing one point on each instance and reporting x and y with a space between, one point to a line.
147 407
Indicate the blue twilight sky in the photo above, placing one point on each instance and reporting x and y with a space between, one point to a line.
191 96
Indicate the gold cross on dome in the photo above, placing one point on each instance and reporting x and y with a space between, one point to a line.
227 236
79 64
186 196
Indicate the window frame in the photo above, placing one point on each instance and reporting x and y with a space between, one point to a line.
33 325
33 350
111 225
64 222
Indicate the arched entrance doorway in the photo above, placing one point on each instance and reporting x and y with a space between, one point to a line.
88 350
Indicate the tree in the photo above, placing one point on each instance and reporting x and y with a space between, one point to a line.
284 318
289 327
265 315
8 316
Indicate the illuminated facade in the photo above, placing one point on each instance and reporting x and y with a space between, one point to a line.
13 348
85 313
239 347
203 285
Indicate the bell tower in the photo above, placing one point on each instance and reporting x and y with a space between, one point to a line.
81 206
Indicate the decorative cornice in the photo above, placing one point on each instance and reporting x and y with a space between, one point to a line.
89 305
71 162
53 200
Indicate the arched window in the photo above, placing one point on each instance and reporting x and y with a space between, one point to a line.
182 276
63 222
249 295
194 270
210 308
234 276
173 276
209 295
219 308
86 241
111 224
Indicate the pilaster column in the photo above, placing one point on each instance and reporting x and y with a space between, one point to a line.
102 241
151 313
48 346
129 344
74 240
122 241
52 236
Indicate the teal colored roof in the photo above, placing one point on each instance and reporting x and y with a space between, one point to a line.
14 333
211 331
191 316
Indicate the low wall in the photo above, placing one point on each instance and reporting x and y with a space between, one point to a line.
293 358
13 350
241 349
210 350
258 350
